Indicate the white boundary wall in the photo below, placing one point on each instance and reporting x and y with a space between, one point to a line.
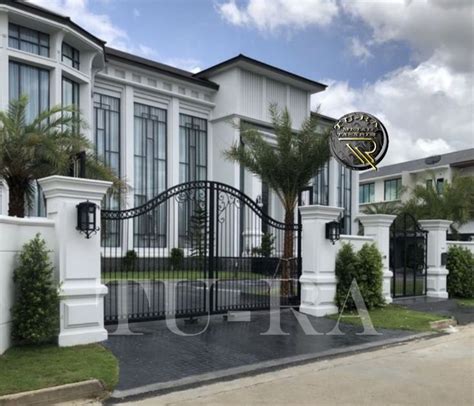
14 233
357 241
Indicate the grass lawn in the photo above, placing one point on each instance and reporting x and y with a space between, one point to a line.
182 275
395 318
29 368
466 302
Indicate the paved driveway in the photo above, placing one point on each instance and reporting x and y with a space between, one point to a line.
159 359
436 371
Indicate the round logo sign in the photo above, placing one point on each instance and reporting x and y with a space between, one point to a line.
359 141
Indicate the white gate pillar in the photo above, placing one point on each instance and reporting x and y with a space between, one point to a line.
77 259
318 279
377 226
437 272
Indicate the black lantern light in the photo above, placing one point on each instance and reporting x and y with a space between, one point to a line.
86 218
333 231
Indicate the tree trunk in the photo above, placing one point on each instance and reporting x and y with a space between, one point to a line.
288 252
17 191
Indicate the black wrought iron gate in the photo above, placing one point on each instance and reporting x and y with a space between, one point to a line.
408 256
196 248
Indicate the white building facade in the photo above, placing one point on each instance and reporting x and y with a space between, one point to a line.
156 125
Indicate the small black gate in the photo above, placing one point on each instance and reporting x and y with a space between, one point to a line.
195 249
408 256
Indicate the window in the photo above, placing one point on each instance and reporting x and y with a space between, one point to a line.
150 174
367 193
344 192
192 166
34 83
392 189
429 183
440 185
70 56
70 97
321 186
192 148
28 40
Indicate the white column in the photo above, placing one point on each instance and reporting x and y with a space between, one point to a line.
318 279
377 226
77 259
437 272
4 66
333 181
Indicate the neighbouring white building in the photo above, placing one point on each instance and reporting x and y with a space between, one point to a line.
156 125
385 184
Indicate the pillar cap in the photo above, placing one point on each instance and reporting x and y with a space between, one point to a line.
75 188
319 212
435 224
376 219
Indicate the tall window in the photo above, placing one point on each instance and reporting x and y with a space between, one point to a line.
70 56
392 189
367 193
34 83
70 97
107 137
321 186
28 40
150 173
344 191
192 148
440 185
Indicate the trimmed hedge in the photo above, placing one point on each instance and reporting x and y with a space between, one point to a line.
36 309
365 267
460 264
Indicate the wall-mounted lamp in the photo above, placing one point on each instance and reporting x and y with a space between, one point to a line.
333 231
87 218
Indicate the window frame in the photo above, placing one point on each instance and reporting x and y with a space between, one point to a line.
398 186
371 193
73 61
40 36
193 132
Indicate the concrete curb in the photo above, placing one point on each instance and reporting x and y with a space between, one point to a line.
443 324
91 389
119 396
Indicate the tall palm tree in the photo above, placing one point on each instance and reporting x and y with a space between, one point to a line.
287 165
42 147
455 202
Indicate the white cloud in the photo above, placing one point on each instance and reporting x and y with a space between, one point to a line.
189 64
272 15
359 50
427 109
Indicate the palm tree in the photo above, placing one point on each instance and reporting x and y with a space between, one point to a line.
287 165
44 147
455 202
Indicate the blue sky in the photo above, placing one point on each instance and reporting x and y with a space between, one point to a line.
194 33
408 62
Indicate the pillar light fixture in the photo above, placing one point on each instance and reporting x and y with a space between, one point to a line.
87 218
333 231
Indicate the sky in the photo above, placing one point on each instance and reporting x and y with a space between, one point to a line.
408 62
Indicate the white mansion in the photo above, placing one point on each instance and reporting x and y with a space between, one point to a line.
156 125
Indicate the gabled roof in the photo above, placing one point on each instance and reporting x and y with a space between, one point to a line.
112 53
43 12
461 158
245 60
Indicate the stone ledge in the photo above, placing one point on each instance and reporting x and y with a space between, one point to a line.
443 324
91 389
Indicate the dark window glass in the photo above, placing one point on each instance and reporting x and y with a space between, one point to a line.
71 56
344 189
150 174
367 193
28 40
429 183
392 189
321 186
70 97
440 185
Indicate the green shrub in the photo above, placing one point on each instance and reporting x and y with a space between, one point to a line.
365 267
36 309
176 258
460 264
266 246
129 260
